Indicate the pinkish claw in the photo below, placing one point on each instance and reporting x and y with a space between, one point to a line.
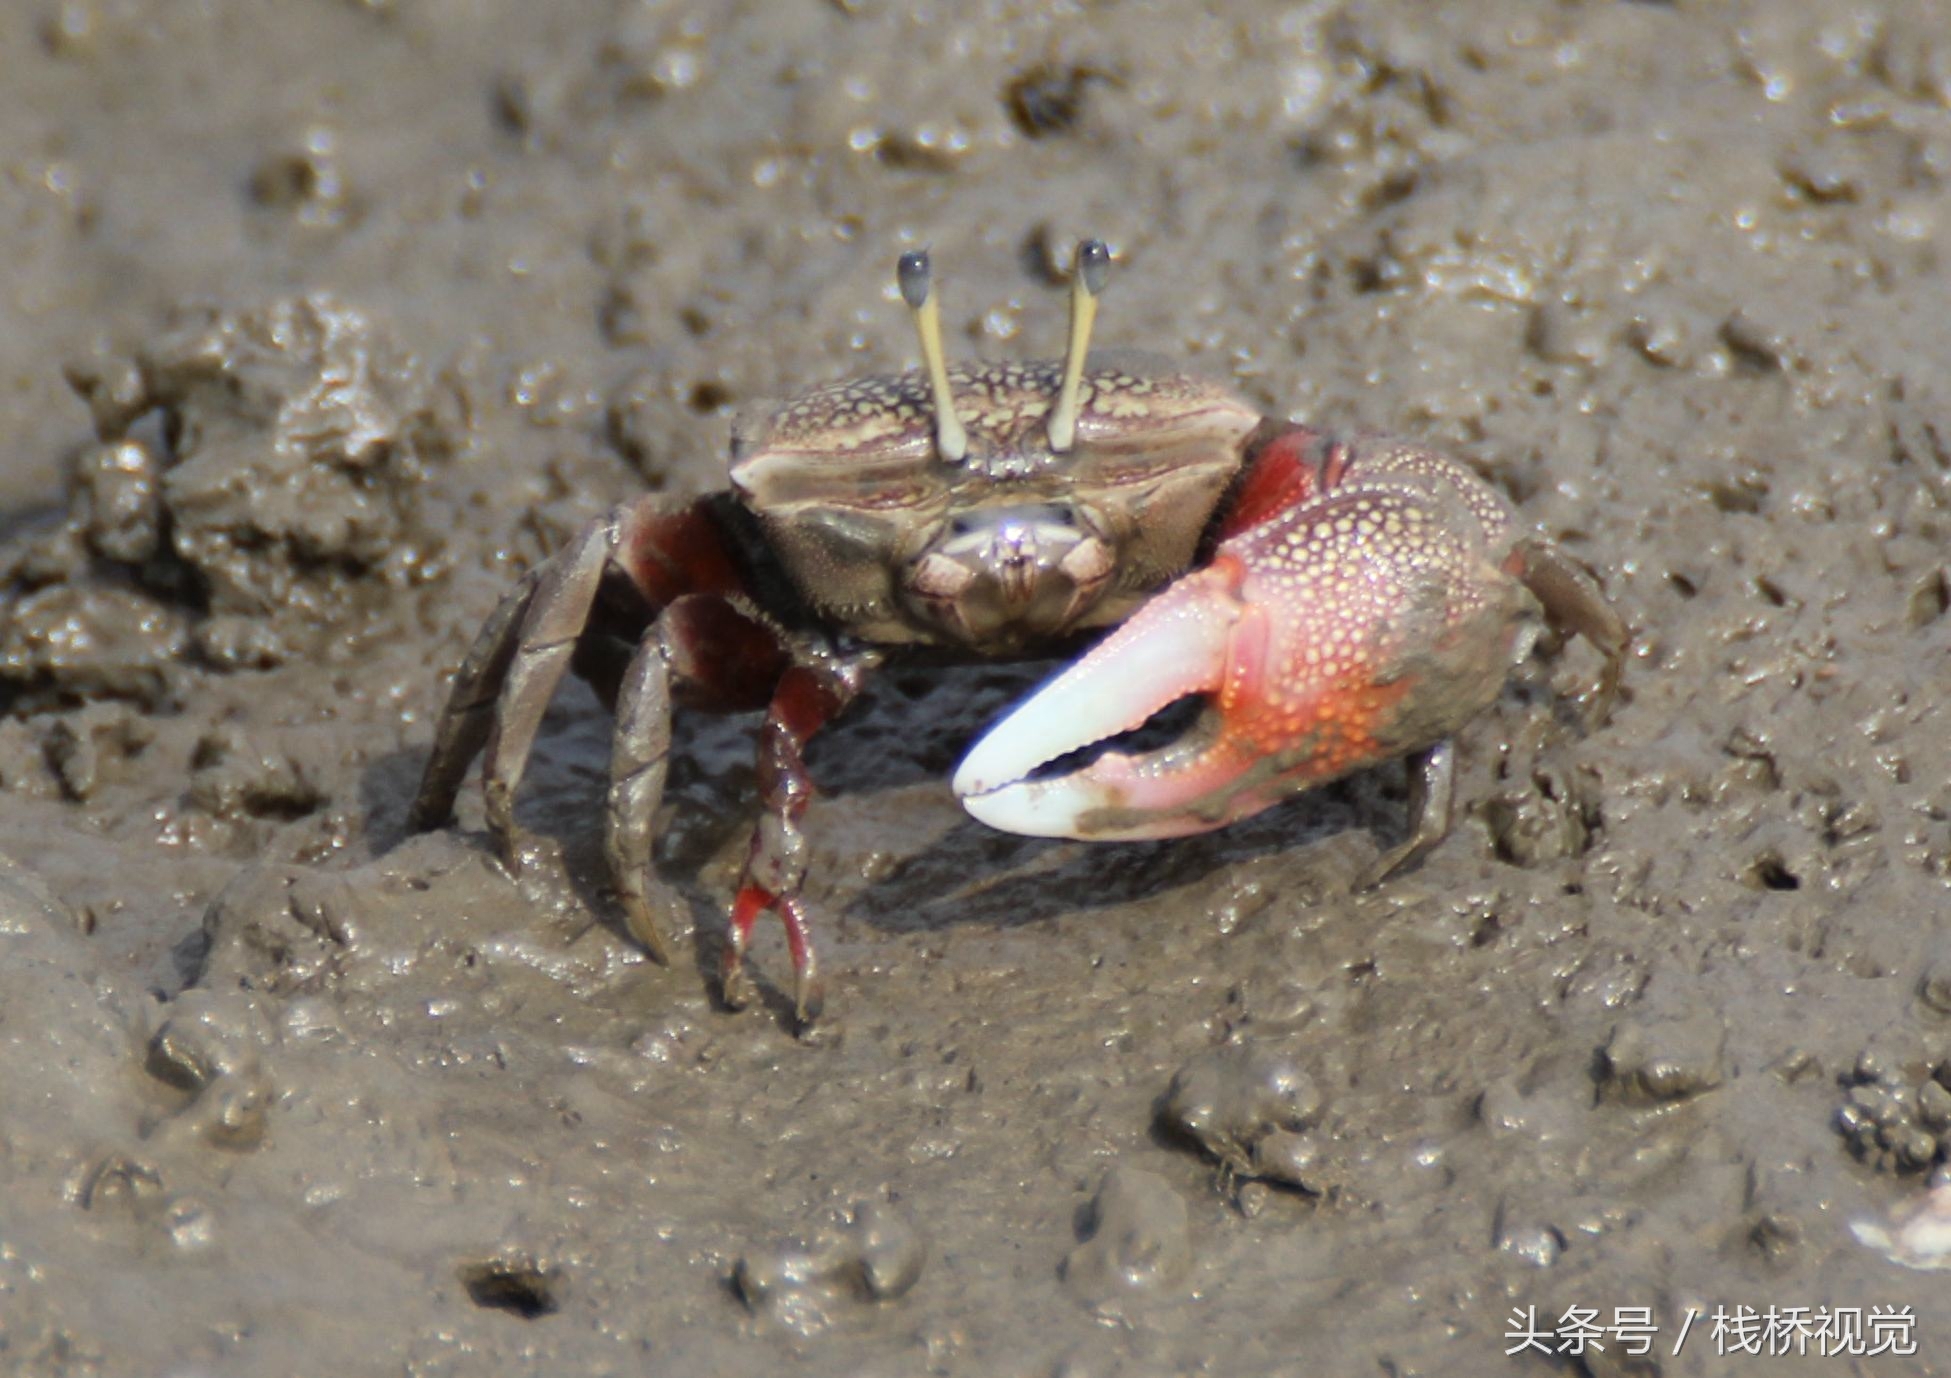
1365 600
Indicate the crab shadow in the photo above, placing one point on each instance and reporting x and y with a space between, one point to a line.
910 728
1029 881
559 809
915 729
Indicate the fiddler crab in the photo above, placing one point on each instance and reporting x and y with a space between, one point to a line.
1335 601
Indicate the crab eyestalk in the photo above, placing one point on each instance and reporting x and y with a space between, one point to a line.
1086 283
951 440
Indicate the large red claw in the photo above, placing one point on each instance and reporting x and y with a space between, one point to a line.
1347 630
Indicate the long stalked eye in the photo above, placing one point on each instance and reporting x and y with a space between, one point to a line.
915 277
1087 280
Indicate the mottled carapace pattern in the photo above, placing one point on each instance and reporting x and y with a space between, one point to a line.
847 482
1005 407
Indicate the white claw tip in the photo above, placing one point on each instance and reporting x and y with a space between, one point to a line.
1172 648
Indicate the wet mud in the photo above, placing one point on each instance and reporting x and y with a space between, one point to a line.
327 322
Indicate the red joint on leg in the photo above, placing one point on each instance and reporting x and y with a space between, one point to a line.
802 704
1278 478
752 901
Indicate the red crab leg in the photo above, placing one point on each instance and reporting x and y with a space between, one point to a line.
808 698
1332 630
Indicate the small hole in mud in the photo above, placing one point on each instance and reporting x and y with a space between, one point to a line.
521 1289
1682 585
1372 275
906 154
1930 600
1750 346
1770 872
1039 258
286 181
1046 100
709 397
1390 191
1745 493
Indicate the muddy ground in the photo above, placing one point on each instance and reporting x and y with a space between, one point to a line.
326 320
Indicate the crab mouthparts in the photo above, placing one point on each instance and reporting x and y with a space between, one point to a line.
1178 645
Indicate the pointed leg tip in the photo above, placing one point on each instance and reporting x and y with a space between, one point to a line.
510 842
1372 878
1604 695
642 925
1394 862
515 853
734 985
809 1001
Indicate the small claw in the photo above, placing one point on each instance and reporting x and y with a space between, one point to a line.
735 983
1343 632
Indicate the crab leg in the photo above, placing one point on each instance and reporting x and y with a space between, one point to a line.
644 561
639 760
1432 796
810 695
1345 627
468 718
551 624
1573 601
504 684
707 651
